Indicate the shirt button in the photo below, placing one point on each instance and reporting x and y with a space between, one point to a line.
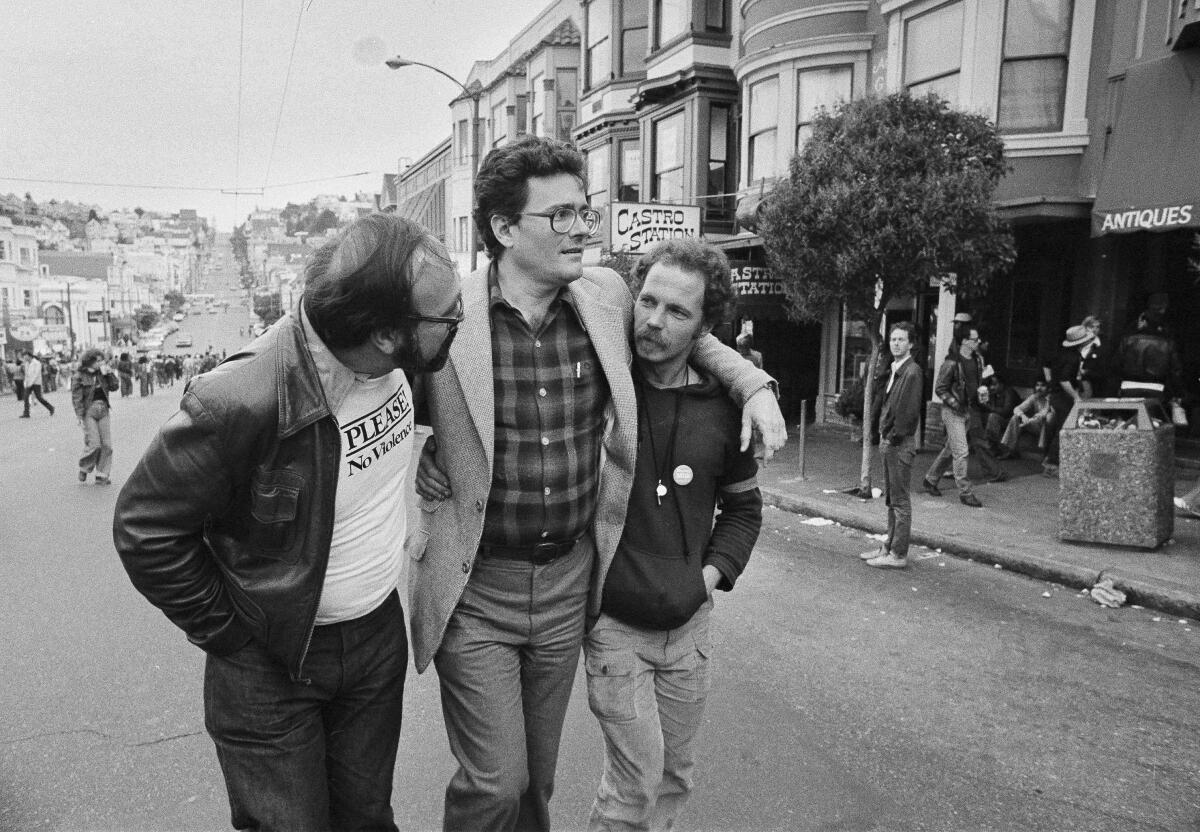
545 440
466 568
542 392
479 505
546 491
537 343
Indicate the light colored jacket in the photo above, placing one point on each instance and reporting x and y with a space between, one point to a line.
443 545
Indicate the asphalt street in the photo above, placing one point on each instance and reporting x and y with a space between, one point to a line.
950 697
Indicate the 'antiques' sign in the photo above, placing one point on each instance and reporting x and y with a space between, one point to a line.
635 225
1163 218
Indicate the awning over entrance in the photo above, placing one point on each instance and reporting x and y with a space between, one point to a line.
1151 179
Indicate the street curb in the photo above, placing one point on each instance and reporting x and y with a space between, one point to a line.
1148 592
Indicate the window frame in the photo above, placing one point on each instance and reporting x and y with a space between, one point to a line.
624 180
656 175
1063 57
591 46
800 71
752 135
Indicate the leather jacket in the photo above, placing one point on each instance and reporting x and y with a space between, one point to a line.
225 523
951 383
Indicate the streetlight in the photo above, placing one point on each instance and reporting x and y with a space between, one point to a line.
398 62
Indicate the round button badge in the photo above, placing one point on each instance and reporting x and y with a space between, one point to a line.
682 475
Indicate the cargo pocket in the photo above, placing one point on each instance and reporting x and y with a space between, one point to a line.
274 505
611 686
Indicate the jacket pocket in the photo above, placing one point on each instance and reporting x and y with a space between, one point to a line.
274 504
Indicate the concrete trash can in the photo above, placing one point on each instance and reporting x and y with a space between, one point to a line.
1116 474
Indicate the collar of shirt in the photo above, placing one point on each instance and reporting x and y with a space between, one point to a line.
496 296
336 378
896 365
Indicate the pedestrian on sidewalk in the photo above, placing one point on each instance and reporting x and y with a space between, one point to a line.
1149 363
125 374
267 520
1066 388
90 386
899 421
958 385
33 383
647 656
145 376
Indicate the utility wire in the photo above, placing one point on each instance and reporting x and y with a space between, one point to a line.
237 154
283 97
211 188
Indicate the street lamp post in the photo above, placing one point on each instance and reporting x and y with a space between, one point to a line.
398 62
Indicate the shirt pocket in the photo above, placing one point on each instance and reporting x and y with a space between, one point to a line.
275 498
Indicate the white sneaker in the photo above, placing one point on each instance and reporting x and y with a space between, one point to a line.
873 553
888 561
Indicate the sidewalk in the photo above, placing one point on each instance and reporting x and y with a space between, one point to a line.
1017 528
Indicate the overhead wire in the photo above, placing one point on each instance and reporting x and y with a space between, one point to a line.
237 153
287 78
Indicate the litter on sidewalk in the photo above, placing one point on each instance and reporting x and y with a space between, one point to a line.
1106 594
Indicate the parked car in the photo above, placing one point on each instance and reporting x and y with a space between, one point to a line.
178 317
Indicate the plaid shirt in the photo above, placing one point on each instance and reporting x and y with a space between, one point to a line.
550 396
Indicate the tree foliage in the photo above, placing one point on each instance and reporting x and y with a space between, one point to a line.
888 194
145 317
174 301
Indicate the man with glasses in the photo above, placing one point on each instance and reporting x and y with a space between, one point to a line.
266 520
959 385
522 526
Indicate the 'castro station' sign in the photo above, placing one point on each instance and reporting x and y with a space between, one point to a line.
636 225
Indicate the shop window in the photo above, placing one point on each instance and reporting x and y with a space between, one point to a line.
1025 314
933 52
764 114
1033 70
667 152
720 185
597 176
817 88
671 20
629 189
599 45
634 39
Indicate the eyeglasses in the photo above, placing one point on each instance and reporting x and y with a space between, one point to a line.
440 319
563 219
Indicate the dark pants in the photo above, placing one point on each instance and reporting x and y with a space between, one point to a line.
506 666
1060 404
897 475
317 756
34 391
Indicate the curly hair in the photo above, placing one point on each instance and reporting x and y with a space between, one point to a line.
502 183
700 258
361 281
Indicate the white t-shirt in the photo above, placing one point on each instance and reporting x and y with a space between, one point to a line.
366 553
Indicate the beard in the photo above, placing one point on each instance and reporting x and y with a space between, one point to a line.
412 362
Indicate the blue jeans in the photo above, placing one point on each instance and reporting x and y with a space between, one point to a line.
506 666
319 754
897 475
648 689
956 448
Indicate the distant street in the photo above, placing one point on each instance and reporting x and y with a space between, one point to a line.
951 697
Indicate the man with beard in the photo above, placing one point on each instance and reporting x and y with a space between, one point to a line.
265 521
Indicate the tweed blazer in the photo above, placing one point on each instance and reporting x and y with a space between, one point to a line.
443 543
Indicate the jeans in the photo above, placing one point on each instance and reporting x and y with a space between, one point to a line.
648 689
97 440
317 754
897 474
34 391
956 448
506 666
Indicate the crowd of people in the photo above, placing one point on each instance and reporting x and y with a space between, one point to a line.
985 418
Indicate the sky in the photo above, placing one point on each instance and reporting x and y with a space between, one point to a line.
146 93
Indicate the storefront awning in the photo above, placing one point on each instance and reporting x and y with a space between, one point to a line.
1151 179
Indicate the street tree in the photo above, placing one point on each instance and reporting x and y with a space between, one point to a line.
890 195
145 316
268 306
174 301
